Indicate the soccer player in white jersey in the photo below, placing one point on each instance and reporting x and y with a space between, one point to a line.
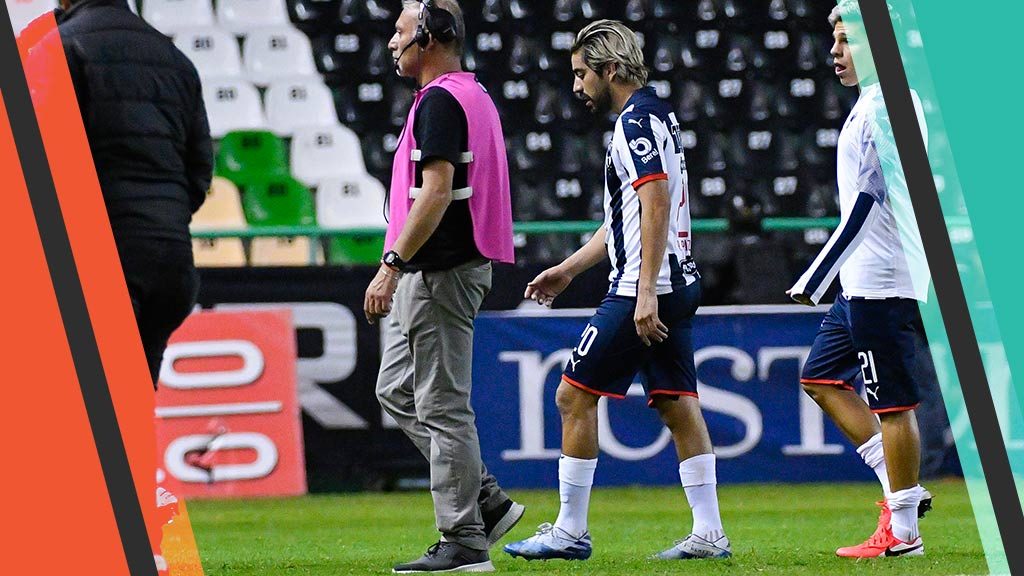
643 325
874 329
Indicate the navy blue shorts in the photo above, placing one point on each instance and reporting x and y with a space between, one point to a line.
610 354
880 341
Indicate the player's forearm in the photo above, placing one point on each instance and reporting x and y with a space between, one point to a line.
427 210
588 256
841 245
655 208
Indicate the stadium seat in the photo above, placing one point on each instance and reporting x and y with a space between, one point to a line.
214 51
311 12
521 9
379 152
354 202
325 152
356 11
778 11
379 61
277 52
218 252
248 157
232 104
760 103
222 208
666 9
222 211
524 55
24 11
401 102
810 54
545 248
284 251
299 103
280 202
363 106
243 16
169 16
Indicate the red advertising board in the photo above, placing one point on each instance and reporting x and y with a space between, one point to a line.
227 411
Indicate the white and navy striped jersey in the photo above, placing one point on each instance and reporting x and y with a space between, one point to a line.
876 250
646 146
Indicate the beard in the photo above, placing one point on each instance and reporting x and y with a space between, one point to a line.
599 104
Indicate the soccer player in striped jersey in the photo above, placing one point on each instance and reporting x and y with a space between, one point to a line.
874 329
644 324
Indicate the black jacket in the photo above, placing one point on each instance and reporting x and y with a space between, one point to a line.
142 105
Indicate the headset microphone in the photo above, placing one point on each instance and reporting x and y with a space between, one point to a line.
421 36
402 53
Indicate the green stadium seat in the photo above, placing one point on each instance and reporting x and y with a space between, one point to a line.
353 251
281 201
251 156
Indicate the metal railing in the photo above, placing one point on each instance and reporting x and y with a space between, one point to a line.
708 225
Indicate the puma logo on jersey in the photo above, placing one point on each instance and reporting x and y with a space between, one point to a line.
872 393
638 121
573 361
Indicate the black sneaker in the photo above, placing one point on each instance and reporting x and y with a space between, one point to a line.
499 521
448 557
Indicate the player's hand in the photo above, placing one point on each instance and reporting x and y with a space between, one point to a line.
800 297
649 327
548 285
380 293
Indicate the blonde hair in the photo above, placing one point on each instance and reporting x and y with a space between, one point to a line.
609 41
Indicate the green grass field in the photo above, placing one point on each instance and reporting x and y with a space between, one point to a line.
775 529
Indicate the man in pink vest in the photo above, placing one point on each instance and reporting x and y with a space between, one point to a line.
450 216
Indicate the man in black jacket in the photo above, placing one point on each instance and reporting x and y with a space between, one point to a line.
142 107
141 104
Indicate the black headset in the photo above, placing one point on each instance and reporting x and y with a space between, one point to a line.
435 23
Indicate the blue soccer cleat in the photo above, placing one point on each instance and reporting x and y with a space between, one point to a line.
552 543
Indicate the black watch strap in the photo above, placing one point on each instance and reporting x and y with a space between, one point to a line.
391 259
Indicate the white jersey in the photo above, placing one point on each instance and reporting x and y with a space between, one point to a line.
876 250
646 146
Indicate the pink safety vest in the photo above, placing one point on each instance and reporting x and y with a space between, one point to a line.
490 202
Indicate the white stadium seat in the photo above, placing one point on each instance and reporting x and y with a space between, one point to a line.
279 52
24 11
232 104
169 16
299 103
214 51
243 16
355 202
320 153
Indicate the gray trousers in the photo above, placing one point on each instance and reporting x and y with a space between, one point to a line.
424 383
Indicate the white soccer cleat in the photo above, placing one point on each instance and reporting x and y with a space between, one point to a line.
551 543
695 547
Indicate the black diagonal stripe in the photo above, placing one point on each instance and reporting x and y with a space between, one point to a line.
71 301
939 250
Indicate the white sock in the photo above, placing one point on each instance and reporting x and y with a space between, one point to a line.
697 475
904 513
575 477
874 457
